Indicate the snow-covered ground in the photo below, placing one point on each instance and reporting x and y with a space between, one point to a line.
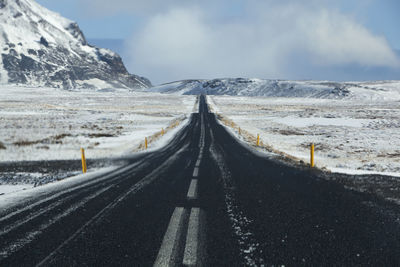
53 124
357 137
12 195
43 123
365 91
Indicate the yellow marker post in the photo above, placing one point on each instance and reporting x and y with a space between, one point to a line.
258 139
84 168
145 143
162 132
312 163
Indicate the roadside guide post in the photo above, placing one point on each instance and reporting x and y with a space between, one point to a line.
84 167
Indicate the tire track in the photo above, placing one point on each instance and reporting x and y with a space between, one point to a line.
60 199
134 189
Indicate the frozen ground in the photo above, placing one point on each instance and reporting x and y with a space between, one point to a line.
42 123
51 124
357 137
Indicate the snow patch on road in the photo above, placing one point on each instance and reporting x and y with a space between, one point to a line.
248 246
7 189
14 198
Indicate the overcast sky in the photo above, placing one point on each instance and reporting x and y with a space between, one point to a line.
167 40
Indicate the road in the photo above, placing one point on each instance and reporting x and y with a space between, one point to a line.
205 199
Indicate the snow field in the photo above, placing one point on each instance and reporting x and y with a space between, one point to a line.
357 137
44 123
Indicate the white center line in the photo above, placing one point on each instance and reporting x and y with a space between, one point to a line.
171 245
198 163
192 192
194 249
196 172
181 224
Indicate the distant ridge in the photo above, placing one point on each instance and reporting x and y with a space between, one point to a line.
375 90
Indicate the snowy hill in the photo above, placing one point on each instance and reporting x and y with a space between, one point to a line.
41 48
385 90
185 87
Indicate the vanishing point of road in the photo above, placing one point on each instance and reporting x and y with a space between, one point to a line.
205 199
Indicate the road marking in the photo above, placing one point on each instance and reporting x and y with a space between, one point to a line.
196 172
192 192
172 245
201 144
194 248
132 190
202 137
198 162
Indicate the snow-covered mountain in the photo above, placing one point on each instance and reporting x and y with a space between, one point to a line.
379 90
41 48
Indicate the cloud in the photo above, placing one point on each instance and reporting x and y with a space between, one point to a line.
336 39
264 41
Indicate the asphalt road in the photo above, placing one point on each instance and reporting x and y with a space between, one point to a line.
205 199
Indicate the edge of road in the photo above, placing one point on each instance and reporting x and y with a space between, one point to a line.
276 156
345 179
273 153
11 200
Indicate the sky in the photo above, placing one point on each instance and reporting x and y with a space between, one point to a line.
169 40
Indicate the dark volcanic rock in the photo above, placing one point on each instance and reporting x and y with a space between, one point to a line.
259 87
